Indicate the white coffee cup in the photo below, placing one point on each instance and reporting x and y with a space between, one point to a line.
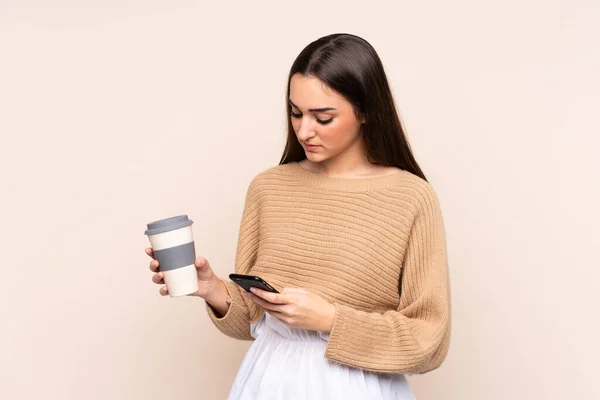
172 242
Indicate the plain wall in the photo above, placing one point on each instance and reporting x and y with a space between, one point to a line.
117 113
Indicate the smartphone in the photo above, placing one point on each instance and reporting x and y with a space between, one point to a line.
249 281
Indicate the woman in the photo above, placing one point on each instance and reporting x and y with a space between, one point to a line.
350 233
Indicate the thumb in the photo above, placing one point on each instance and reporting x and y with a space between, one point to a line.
203 269
201 263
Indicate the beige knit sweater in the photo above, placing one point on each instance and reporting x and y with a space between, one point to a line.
351 241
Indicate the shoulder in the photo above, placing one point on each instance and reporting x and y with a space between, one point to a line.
269 178
271 175
417 191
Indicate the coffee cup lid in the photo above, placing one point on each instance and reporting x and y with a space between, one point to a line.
168 224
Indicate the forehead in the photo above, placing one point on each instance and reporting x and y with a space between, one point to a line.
310 92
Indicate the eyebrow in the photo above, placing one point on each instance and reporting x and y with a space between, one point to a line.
313 109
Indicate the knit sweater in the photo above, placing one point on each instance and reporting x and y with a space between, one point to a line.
373 247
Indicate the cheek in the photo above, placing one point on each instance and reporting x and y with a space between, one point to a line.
337 134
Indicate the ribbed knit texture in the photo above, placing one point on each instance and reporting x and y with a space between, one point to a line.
351 241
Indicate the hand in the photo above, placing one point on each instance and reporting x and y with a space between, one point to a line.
297 307
207 280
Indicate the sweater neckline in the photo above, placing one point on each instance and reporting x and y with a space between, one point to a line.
321 181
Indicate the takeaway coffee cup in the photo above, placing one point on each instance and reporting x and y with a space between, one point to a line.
172 242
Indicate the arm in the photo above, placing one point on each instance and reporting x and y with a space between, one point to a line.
237 311
415 337
219 298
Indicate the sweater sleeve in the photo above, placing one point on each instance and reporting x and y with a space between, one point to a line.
415 337
236 322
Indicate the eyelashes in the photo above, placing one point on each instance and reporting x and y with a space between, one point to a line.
294 115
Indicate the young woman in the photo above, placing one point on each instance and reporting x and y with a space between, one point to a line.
350 233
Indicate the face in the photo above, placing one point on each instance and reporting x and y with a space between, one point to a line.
322 118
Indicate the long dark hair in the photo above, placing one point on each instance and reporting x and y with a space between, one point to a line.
350 66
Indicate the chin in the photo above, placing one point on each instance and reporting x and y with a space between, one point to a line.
314 157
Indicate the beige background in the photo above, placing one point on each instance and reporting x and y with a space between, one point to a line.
117 113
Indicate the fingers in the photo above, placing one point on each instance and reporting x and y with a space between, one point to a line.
154 266
293 290
274 298
158 278
150 252
263 303
280 316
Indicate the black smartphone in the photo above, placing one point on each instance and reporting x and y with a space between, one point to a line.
249 281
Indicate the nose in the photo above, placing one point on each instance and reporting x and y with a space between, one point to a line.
305 130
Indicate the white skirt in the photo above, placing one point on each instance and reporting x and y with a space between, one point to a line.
289 363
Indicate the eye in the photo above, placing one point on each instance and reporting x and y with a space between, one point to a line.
294 115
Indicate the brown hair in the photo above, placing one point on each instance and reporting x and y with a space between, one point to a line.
350 66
